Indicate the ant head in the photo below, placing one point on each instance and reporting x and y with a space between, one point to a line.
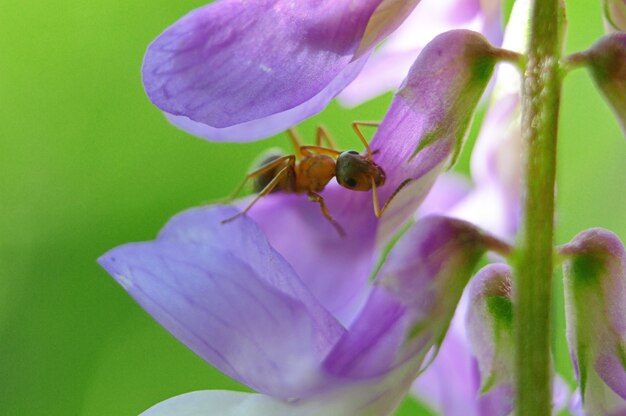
356 172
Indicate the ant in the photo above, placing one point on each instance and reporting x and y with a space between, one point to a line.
311 168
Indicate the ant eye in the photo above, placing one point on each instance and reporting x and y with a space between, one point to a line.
351 182
353 152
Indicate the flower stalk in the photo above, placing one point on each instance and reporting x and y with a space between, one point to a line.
540 99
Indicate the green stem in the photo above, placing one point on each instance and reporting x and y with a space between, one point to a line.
540 105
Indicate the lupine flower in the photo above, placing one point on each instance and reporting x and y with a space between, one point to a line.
389 64
595 294
285 307
606 61
240 70
615 15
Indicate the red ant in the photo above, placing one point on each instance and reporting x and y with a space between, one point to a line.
311 168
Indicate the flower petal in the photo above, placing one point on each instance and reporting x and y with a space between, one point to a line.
360 400
227 295
450 384
435 105
449 189
386 18
391 62
413 300
223 403
595 288
607 64
231 64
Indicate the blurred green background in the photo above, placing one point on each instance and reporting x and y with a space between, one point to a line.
87 163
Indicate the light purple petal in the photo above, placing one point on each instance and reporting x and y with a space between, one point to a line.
450 384
274 123
449 189
386 18
227 295
436 103
233 63
370 398
595 289
615 15
391 62
413 299
607 64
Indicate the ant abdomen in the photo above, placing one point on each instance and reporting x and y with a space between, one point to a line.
261 181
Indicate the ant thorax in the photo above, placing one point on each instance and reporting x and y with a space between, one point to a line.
314 172
355 171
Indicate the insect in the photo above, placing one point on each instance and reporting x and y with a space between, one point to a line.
311 168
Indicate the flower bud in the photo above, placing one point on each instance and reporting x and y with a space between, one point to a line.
615 15
595 295
490 332
607 62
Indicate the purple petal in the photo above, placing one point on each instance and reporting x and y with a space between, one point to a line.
223 403
227 295
450 384
386 18
449 189
391 62
413 299
274 123
615 15
595 288
607 64
437 100
231 64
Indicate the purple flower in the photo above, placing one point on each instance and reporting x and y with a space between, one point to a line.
389 64
595 295
439 95
227 294
240 70
283 304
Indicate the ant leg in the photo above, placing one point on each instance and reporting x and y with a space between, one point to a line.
355 126
323 134
270 186
266 168
296 141
310 150
318 198
379 212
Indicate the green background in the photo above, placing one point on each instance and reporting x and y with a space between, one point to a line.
87 163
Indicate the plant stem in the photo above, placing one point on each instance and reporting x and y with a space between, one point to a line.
540 105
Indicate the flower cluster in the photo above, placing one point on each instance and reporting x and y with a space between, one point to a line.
319 323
